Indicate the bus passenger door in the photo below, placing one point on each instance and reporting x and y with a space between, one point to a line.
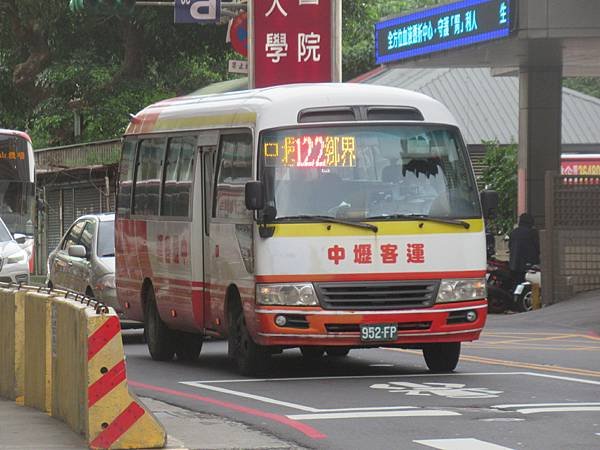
208 154
205 150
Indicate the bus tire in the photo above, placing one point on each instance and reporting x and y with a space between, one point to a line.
160 340
337 352
442 357
188 346
312 352
250 358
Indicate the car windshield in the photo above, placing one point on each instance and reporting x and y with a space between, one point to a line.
4 233
368 172
106 239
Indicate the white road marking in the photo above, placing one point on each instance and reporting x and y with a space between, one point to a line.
260 398
461 444
374 414
357 377
393 410
535 408
558 377
526 405
381 365
563 409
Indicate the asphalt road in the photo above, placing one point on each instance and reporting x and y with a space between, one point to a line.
531 382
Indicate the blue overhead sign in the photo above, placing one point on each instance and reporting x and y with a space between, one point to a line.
197 11
445 27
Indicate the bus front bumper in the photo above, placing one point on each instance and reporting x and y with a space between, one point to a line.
453 322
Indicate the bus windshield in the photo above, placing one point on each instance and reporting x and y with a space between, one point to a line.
364 172
17 192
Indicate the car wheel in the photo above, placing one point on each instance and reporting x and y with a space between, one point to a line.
160 339
312 352
249 357
442 357
188 346
338 352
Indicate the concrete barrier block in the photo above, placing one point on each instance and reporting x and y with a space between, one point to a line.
69 361
11 344
38 351
117 420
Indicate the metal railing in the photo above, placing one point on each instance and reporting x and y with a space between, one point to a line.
78 155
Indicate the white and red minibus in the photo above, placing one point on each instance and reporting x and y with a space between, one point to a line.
321 216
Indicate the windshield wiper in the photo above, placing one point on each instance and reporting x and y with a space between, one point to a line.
331 219
423 217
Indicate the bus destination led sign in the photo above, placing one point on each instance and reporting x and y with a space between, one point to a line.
445 27
311 151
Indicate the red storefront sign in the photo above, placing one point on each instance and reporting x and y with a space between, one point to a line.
580 167
292 41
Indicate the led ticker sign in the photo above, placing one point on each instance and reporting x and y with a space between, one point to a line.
311 151
449 26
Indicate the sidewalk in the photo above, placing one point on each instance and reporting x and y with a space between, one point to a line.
23 428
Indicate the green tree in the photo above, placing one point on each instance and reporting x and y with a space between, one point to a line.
500 174
111 63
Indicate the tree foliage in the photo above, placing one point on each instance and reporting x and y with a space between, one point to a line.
500 174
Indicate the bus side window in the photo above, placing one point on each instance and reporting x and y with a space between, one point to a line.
148 177
179 165
126 169
235 169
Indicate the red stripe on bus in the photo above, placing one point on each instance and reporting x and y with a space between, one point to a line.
299 426
119 426
103 335
368 276
106 383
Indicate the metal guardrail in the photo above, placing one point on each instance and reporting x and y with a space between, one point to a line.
78 155
99 307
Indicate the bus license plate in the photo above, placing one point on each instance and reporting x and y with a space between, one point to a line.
379 332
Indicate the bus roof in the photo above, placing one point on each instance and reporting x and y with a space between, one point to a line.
277 106
21 134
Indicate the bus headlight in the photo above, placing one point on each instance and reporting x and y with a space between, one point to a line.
461 290
286 294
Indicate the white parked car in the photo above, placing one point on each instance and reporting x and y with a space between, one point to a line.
14 261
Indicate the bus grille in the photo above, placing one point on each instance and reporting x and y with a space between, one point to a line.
377 295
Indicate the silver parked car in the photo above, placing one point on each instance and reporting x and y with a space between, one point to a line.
84 261
14 261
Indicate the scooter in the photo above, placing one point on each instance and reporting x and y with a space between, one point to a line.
500 286
523 293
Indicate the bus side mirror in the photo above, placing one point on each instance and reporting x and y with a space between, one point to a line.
489 203
255 195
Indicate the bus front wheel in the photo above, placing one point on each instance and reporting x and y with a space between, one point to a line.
249 357
159 338
442 357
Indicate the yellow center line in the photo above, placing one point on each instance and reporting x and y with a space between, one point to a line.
522 365
509 334
548 338
493 346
